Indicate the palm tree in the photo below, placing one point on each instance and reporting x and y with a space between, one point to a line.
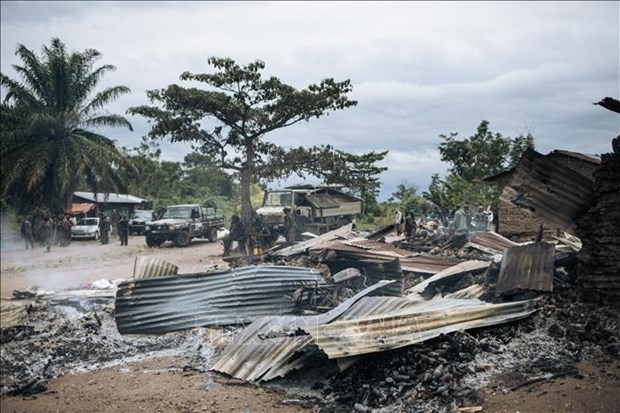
48 144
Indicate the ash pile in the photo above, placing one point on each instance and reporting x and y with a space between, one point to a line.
346 320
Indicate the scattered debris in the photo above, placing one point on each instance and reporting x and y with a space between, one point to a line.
146 267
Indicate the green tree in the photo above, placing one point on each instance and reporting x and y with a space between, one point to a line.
408 200
49 145
247 107
483 154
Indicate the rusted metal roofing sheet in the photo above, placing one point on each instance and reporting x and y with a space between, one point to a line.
344 232
455 271
412 325
490 242
162 304
270 347
552 191
367 249
527 267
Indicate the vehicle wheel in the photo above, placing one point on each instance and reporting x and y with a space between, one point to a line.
182 239
152 242
96 235
213 235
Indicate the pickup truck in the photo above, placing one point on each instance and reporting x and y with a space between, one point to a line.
181 223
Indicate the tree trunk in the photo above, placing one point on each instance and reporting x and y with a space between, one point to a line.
246 179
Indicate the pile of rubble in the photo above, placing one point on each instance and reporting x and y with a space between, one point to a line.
399 329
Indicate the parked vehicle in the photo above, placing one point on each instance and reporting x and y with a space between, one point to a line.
182 223
318 209
86 228
138 221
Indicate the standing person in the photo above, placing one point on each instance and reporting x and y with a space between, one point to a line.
65 231
48 231
114 222
462 220
398 221
104 229
123 230
27 233
490 217
409 224
236 233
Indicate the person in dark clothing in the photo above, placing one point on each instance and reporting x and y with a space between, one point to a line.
409 225
123 230
104 229
264 239
27 233
237 233
65 231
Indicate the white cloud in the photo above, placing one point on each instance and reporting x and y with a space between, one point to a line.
419 69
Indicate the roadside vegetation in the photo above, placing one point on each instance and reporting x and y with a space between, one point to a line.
51 141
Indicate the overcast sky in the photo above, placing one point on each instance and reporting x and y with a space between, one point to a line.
418 69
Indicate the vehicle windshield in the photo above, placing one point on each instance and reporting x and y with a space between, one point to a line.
178 212
88 221
279 199
143 214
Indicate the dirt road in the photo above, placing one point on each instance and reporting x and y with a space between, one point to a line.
87 261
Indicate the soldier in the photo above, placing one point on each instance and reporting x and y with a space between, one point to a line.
237 233
409 225
263 236
104 228
123 230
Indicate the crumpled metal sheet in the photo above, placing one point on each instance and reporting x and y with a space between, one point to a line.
274 346
344 232
360 249
417 323
490 242
455 271
162 304
270 347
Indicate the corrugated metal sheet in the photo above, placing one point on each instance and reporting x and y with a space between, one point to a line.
490 242
374 270
553 192
273 346
163 304
344 232
448 274
412 325
527 267
270 347
359 249
147 267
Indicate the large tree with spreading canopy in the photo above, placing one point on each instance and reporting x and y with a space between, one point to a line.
246 107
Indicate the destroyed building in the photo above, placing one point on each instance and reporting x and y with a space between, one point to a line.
551 190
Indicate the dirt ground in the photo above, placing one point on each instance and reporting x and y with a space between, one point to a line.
164 385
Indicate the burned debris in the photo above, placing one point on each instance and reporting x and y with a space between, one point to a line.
383 324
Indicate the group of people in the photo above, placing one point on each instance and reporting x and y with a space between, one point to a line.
42 228
106 226
462 220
